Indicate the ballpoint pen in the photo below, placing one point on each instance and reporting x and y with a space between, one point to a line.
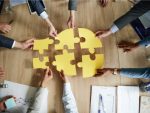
101 105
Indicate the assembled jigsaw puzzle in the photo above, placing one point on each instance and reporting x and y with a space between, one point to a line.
64 60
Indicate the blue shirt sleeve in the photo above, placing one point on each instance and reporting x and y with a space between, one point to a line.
144 42
135 72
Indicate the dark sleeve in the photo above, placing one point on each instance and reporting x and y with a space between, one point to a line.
135 72
72 5
36 5
138 10
6 42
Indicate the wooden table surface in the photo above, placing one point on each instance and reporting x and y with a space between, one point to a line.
18 64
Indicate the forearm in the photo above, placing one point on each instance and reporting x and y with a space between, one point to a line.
39 102
72 5
138 10
49 23
69 99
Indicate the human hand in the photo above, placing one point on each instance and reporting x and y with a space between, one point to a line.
104 3
52 31
47 77
100 72
28 44
2 74
127 46
71 20
5 28
63 77
2 102
103 33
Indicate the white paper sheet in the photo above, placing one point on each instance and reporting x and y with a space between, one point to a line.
128 99
109 99
24 94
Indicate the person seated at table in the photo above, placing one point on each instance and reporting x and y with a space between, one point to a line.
129 72
10 43
41 96
138 10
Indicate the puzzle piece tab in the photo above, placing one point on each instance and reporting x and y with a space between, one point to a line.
91 41
89 67
37 64
42 45
63 62
67 38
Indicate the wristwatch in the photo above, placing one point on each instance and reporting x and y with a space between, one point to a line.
115 72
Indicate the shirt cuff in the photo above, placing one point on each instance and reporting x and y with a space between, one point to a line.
13 44
114 28
44 15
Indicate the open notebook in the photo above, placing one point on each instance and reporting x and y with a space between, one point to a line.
122 99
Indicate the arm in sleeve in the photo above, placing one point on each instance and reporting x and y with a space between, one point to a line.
6 42
69 99
138 10
144 42
39 102
72 5
38 6
135 72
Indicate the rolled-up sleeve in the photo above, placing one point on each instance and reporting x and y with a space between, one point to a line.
135 72
69 99
72 5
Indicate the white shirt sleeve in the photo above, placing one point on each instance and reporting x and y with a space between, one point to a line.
44 15
114 28
69 99
40 102
13 44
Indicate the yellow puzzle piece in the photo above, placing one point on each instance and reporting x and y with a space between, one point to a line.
40 64
42 44
91 41
89 67
63 62
67 38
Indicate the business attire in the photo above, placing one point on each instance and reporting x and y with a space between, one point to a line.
72 5
138 10
40 102
6 42
39 7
